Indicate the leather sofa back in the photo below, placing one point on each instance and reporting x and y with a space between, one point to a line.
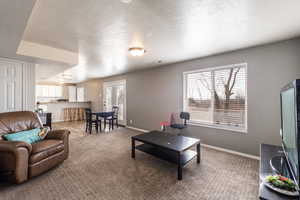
12 122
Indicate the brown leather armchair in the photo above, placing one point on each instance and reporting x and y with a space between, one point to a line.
20 161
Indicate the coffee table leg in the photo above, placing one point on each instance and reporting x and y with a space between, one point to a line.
179 167
132 148
198 153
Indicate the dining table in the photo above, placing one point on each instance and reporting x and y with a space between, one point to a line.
105 115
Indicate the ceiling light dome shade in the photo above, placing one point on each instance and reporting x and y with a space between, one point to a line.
137 51
66 76
126 1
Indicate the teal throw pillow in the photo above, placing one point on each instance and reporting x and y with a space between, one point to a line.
29 136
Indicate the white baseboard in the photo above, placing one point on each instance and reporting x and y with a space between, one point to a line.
57 121
207 146
137 129
230 151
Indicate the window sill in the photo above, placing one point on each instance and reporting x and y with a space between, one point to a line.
232 129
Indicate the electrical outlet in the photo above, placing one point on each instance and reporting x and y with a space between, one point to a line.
131 121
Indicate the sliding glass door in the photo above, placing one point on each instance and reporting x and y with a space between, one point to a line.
114 94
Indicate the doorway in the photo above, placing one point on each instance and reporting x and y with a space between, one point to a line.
114 94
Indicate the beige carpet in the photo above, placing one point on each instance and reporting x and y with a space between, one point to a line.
100 167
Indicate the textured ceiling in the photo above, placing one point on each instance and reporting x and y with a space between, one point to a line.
14 15
101 31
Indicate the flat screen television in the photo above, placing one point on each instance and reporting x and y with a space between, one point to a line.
290 127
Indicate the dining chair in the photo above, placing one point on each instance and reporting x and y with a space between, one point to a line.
185 116
109 118
115 117
90 122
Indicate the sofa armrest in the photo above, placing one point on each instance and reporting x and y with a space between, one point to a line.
58 134
12 146
21 152
61 135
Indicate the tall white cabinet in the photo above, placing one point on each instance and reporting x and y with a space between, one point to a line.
17 85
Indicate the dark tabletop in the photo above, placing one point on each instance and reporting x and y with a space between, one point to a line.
167 140
103 113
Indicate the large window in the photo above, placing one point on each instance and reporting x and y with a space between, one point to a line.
217 97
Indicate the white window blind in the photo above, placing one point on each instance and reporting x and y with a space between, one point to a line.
217 97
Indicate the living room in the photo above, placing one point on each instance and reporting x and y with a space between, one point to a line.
201 80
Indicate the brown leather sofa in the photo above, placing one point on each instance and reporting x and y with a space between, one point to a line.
20 161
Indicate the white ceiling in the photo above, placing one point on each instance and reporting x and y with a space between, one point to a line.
101 31
49 71
14 15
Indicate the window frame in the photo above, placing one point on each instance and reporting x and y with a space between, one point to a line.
210 125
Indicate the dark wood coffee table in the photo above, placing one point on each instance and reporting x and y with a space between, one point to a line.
166 146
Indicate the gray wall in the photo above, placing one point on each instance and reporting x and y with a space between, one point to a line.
93 93
154 93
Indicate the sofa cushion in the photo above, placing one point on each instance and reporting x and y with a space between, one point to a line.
29 136
44 149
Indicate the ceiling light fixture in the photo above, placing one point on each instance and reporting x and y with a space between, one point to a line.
126 1
67 76
137 51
